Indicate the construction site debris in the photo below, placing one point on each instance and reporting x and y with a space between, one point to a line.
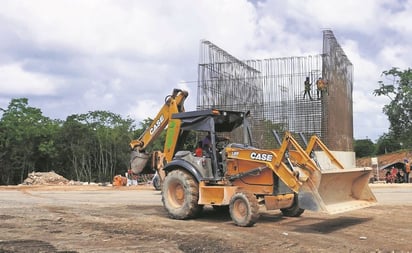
45 178
52 178
118 180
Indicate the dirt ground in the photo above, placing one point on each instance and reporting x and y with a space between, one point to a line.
132 219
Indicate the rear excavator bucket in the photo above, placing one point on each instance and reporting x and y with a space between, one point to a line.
337 191
138 161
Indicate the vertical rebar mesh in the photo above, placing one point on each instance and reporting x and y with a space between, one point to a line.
273 91
227 83
284 105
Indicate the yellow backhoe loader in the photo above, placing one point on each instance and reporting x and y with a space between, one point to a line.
242 178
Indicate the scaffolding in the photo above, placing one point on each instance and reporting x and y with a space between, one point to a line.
273 91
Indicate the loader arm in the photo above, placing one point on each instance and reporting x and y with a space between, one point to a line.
290 163
173 104
293 168
300 156
265 158
314 140
331 191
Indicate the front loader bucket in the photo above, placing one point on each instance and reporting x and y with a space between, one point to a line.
337 191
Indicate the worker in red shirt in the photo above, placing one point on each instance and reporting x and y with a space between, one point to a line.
394 172
199 150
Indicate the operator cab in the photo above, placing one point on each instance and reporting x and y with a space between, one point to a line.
218 123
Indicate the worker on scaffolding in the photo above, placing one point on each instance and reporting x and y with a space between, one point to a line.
307 88
321 87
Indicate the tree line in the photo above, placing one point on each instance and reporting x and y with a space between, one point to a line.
397 86
90 147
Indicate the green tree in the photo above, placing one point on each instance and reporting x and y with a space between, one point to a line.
158 143
94 145
112 137
398 88
26 141
364 148
387 143
85 147
75 143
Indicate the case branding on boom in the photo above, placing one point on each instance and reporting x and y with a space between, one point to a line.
261 157
156 125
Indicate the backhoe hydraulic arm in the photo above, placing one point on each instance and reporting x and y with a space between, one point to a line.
173 104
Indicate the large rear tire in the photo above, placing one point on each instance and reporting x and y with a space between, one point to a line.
244 209
294 210
180 195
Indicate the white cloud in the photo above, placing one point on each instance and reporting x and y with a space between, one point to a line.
365 69
145 29
363 103
401 18
396 56
368 118
16 81
144 108
369 126
125 56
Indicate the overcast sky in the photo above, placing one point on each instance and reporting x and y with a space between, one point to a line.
124 56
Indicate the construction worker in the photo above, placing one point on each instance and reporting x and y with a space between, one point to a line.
394 174
207 145
407 170
307 88
320 87
207 142
199 150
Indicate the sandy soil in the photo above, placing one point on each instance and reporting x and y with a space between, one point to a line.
132 219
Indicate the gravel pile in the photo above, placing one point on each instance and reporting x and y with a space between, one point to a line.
45 178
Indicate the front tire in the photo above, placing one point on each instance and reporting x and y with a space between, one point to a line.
180 195
244 209
156 182
294 210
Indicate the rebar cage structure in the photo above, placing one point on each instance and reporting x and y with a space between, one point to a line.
273 91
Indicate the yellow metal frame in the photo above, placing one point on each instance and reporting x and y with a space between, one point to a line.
173 104
215 195
314 140
298 156
278 167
